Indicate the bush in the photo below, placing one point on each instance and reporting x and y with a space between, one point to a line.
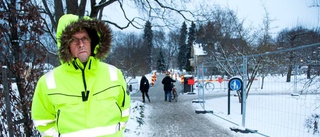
312 123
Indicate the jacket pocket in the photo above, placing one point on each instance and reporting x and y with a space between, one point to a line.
108 93
59 99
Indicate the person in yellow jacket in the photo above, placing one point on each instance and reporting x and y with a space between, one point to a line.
83 97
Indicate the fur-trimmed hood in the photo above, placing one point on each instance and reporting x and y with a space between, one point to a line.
69 24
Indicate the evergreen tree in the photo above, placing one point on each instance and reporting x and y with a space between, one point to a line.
191 39
161 62
147 42
182 56
200 34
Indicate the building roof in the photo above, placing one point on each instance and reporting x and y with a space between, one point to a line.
198 49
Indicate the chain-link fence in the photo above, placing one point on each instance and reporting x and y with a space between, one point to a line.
281 90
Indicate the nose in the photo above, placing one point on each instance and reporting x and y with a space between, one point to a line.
81 44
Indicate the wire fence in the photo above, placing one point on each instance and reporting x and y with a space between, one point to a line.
282 95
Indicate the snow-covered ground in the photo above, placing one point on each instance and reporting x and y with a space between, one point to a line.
276 115
277 110
139 113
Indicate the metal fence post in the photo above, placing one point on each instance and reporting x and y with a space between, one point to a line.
7 100
244 89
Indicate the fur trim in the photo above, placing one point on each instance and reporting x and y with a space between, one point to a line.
100 51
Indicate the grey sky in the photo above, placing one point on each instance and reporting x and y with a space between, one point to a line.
284 13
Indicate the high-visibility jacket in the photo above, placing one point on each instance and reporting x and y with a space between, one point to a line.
77 100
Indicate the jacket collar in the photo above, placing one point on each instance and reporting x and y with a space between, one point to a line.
76 64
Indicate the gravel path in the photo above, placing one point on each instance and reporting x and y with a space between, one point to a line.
176 119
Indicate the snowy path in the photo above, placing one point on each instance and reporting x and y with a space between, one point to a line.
176 119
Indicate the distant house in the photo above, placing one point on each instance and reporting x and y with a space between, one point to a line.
203 52
197 54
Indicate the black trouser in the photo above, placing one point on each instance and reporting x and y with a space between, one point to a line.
145 94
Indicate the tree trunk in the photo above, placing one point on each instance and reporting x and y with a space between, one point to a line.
262 81
26 119
72 7
239 95
58 10
308 72
289 73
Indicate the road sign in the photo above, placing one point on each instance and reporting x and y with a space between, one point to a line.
235 84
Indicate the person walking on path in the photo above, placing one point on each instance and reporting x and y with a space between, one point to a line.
144 88
83 96
167 86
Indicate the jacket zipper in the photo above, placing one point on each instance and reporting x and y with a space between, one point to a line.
85 93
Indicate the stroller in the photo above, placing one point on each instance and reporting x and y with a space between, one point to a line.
174 93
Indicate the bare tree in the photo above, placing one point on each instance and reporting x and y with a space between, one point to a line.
160 45
128 55
262 65
21 29
172 49
227 41
160 12
297 36
224 38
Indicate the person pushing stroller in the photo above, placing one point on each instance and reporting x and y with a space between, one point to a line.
167 87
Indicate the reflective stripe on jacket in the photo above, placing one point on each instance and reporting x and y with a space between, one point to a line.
81 102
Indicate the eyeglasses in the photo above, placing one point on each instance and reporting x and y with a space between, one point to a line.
76 41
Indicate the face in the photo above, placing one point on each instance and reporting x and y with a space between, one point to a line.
80 45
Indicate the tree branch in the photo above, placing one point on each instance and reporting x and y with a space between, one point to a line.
180 12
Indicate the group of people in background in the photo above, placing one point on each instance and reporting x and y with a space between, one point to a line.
167 82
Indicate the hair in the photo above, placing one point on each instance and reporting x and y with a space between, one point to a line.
95 40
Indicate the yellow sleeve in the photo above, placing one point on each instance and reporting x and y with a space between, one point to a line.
42 111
